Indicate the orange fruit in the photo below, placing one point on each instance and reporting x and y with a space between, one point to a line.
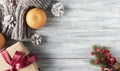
36 18
2 41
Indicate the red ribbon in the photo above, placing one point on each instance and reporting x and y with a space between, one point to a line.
18 61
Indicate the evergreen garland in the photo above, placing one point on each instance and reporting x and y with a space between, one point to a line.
103 58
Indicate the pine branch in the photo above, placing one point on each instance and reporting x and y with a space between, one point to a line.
103 58
92 61
101 64
104 47
95 48
97 55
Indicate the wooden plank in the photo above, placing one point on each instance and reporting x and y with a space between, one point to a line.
70 51
66 65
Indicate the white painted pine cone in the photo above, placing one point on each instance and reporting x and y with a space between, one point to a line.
57 9
36 39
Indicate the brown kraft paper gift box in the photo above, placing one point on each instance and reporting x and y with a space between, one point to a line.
19 46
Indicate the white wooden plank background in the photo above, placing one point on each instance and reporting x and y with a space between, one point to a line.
68 39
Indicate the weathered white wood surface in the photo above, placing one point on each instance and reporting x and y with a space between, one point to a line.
68 39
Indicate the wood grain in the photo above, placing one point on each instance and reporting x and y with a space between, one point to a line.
66 65
67 40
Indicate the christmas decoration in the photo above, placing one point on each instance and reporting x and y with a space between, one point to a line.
104 59
57 9
36 39
96 61
92 53
117 67
17 58
13 13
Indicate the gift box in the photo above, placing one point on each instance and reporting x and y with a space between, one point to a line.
17 58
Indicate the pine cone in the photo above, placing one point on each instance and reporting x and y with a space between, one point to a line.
116 67
36 39
57 9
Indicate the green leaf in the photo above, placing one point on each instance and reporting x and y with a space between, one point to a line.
97 55
102 64
95 48
104 47
92 61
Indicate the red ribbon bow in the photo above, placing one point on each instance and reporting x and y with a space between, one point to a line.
18 61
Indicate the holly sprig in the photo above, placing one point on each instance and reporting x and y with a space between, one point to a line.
103 58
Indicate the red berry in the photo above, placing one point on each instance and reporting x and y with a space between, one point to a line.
110 64
109 69
102 58
101 51
106 54
96 61
102 68
98 49
112 59
92 53
109 56
107 51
